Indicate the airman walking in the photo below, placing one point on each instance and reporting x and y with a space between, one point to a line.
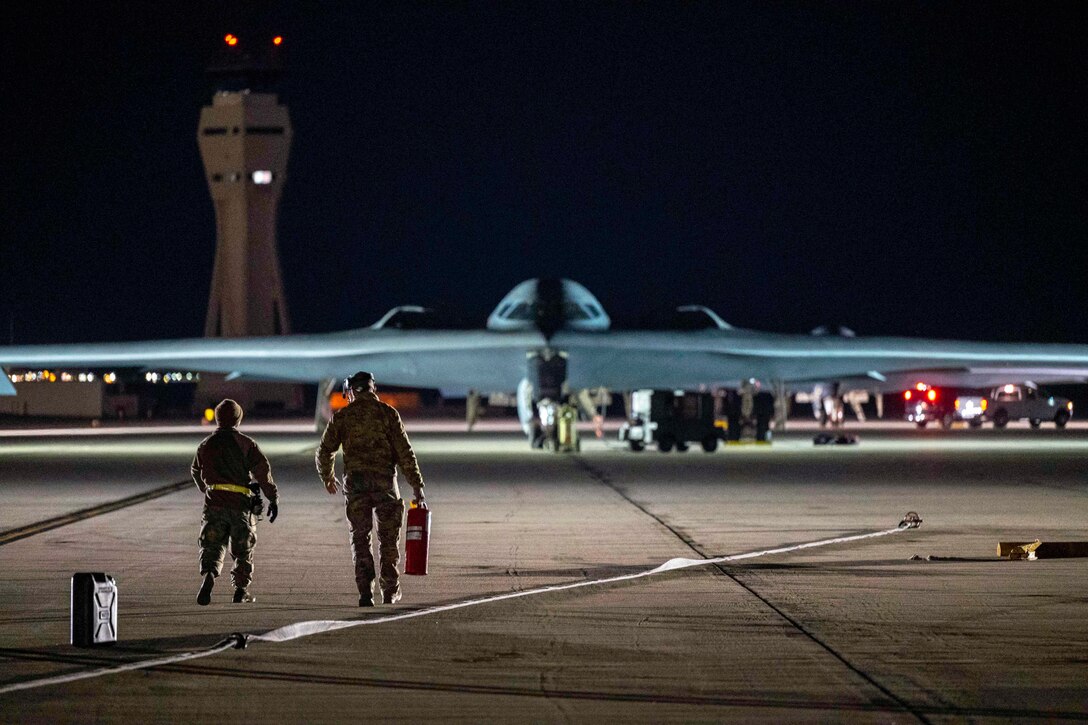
231 472
375 444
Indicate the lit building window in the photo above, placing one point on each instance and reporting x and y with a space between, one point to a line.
262 177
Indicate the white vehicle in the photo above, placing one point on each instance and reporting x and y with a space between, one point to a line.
1015 402
971 408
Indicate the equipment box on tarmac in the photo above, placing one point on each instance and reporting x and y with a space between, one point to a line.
671 419
94 609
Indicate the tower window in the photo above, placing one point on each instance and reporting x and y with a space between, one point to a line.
265 130
262 176
215 131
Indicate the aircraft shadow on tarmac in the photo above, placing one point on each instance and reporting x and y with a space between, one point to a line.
765 702
208 670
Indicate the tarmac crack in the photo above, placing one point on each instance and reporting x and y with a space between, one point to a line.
56 522
604 479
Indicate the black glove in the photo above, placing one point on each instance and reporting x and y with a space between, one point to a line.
256 505
273 511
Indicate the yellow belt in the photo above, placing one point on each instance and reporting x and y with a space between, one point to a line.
230 487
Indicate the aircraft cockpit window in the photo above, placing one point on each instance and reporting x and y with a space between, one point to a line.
572 311
505 308
521 311
594 310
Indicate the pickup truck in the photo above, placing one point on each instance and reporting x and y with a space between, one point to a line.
1016 402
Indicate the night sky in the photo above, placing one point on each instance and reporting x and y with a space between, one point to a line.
899 168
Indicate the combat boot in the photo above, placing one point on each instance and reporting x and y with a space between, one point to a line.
391 596
241 596
366 600
204 597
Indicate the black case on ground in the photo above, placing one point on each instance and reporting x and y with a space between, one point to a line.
94 609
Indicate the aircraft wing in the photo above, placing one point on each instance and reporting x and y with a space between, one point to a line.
632 360
484 360
494 361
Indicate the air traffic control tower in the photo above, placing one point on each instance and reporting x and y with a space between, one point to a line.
244 139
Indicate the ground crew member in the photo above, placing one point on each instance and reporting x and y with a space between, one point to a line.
375 444
231 472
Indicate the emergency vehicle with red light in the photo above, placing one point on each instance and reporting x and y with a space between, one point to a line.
925 404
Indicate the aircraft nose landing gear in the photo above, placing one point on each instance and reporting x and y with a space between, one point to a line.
546 422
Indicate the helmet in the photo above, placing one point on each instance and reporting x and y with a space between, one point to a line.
359 382
228 413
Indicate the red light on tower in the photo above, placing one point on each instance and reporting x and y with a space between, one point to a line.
278 40
230 40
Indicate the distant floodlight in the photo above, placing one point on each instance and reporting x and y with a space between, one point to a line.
262 177
230 40
278 40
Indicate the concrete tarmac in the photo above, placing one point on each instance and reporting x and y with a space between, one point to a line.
858 632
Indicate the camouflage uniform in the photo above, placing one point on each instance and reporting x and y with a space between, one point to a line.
228 457
374 443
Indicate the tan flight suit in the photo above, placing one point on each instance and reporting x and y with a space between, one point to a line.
375 444
225 463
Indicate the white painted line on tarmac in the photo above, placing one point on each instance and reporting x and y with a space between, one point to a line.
307 629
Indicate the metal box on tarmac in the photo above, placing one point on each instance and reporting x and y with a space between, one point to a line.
94 609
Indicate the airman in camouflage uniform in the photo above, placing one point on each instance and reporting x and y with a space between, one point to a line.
228 469
375 444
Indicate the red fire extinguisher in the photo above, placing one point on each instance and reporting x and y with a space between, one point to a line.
417 538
